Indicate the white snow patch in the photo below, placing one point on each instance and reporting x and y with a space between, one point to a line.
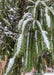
22 59
43 3
41 16
47 17
25 22
8 33
33 24
44 35
11 61
26 15
27 48
19 43
52 11
45 39
5 29
28 40
36 4
20 23
6 21
11 9
29 7
35 7
31 1
36 41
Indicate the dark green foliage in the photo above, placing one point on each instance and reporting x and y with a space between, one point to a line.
33 44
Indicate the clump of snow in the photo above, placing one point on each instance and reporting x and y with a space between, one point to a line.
31 1
43 3
22 59
47 17
11 61
20 23
6 21
36 4
44 35
29 7
45 39
28 40
25 22
35 7
36 41
5 29
26 15
41 16
19 43
33 24
11 9
27 48
52 11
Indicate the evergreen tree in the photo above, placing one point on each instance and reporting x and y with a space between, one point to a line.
36 36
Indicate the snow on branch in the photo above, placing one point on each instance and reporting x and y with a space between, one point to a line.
25 22
21 21
44 35
11 61
47 17
32 1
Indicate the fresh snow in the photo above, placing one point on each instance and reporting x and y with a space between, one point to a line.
25 22
36 4
41 16
47 17
26 15
45 39
19 43
11 9
35 8
31 1
27 48
36 41
52 11
6 21
20 23
29 7
22 59
11 61
44 35
28 40
43 3
33 24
